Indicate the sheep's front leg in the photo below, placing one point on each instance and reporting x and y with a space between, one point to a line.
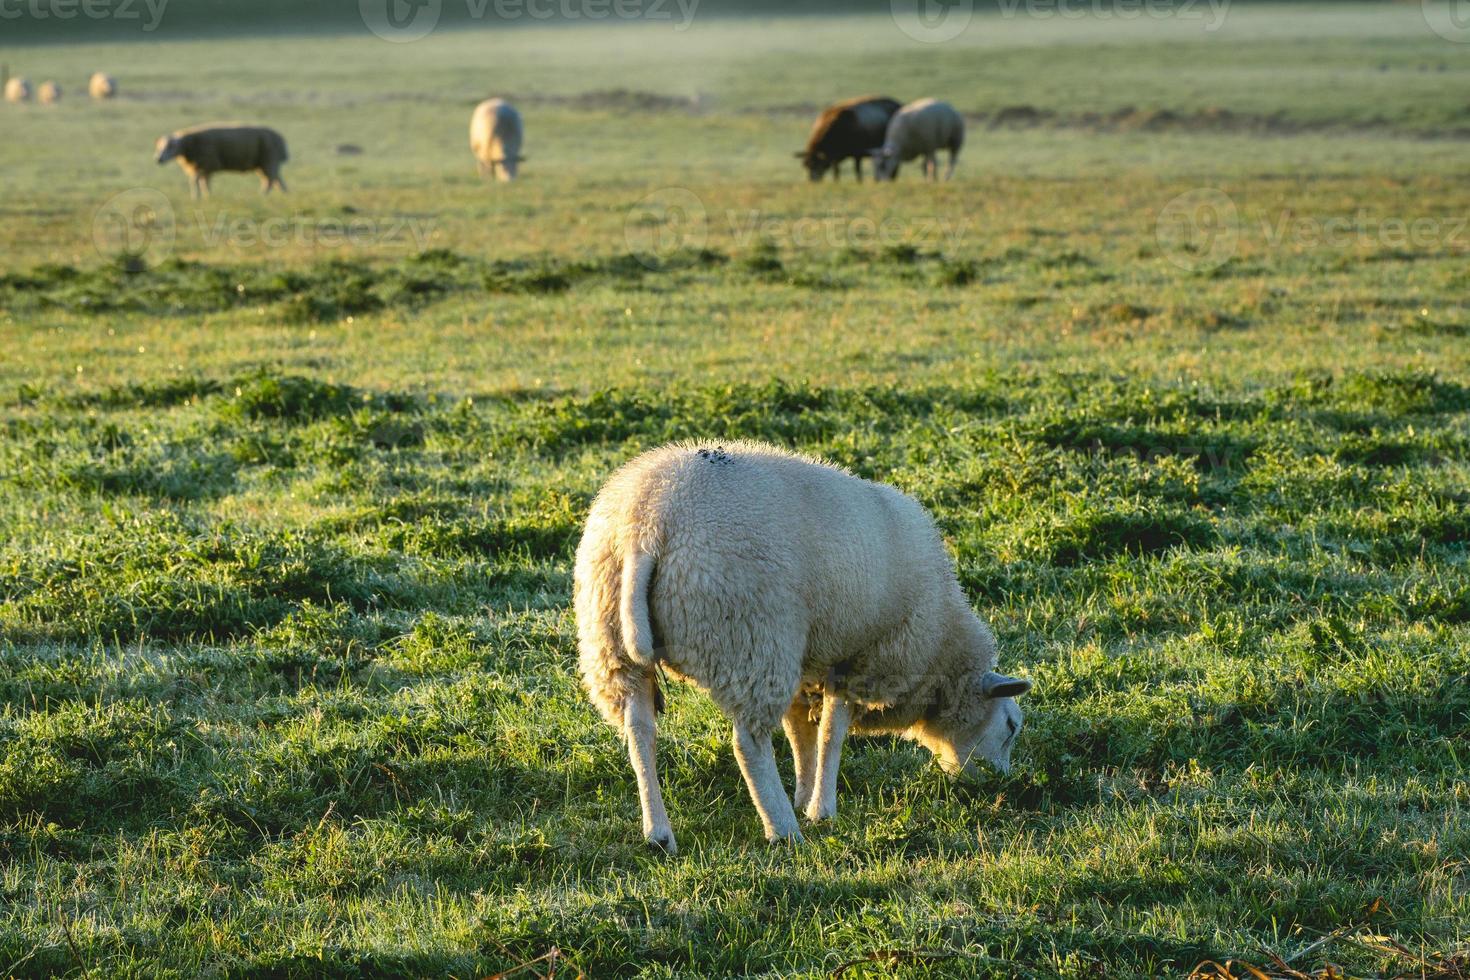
836 716
758 763
801 731
639 726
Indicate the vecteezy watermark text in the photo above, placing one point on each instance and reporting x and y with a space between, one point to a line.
246 232
401 21
1201 230
1211 12
149 12
141 222
672 223
751 226
937 21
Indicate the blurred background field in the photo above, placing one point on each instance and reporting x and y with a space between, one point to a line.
291 486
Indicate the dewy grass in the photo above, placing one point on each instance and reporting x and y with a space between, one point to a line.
355 685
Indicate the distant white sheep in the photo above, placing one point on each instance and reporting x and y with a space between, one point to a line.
206 150
48 93
921 128
101 86
495 139
18 89
795 594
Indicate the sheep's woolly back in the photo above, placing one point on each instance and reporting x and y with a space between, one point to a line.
496 134
231 146
749 569
924 126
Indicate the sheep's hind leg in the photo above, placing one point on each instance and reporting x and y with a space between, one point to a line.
758 763
639 726
801 731
836 716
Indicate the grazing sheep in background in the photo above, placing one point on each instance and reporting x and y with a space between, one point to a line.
770 579
921 128
206 150
48 93
18 89
847 130
495 138
102 86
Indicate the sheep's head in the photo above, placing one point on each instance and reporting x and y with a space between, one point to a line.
166 148
982 726
816 162
885 162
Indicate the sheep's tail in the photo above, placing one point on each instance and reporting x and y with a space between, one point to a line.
633 607
633 612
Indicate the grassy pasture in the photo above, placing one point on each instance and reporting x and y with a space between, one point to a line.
290 497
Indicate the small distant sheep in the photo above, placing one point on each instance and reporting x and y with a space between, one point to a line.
794 593
101 86
495 139
18 89
49 93
205 150
921 128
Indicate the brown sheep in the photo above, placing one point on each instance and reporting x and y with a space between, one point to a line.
206 150
846 130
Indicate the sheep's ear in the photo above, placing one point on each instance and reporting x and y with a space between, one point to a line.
994 685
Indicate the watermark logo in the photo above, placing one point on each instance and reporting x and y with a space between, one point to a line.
136 225
400 21
666 224
932 21
1198 230
1450 19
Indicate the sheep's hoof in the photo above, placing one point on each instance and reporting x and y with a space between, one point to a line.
662 840
816 813
793 838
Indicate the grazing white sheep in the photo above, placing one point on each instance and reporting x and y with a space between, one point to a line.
48 93
921 128
101 86
780 585
18 89
206 150
495 138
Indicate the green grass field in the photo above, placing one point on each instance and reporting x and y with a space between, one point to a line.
290 486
